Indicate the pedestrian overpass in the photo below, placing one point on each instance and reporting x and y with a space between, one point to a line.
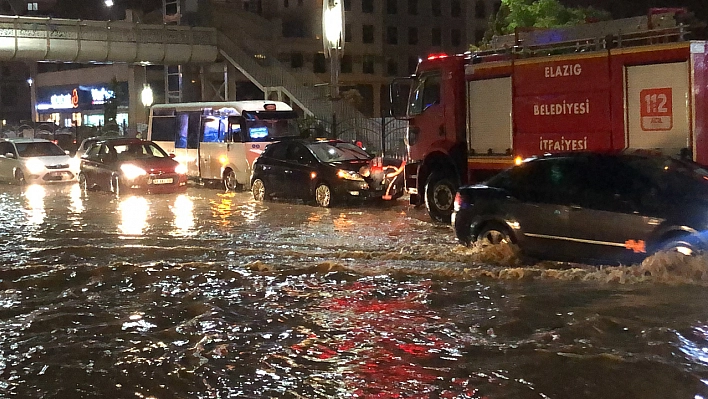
82 41
49 39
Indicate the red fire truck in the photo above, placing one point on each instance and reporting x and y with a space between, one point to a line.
621 84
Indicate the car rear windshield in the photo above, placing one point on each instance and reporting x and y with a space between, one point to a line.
42 149
139 150
337 152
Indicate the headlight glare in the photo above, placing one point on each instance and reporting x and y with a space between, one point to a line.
131 171
181 169
349 175
34 166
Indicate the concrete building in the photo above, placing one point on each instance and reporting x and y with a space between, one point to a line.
383 38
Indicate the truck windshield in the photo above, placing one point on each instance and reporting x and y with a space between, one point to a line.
269 126
425 94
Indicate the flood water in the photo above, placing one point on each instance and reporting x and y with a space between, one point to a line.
212 295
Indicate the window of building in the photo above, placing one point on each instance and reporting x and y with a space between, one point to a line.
296 60
346 66
480 9
32 7
391 67
435 8
413 7
412 35
367 6
367 33
391 35
455 8
347 33
455 37
412 64
294 28
347 5
392 6
367 65
436 37
9 95
320 64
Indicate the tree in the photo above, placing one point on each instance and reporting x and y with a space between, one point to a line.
514 14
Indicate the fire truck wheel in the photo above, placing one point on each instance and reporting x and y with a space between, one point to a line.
230 182
440 197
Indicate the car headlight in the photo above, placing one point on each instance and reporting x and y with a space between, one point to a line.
34 166
131 171
349 175
181 169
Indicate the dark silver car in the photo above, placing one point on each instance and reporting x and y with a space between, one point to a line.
592 207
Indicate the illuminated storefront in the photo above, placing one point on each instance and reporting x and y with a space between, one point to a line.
81 105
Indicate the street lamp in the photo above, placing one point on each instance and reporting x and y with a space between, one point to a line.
333 38
146 96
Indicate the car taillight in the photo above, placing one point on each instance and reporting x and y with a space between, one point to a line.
460 202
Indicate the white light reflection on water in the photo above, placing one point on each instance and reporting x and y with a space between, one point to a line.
34 195
183 210
133 214
77 203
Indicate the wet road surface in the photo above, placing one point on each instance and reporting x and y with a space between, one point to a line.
212 295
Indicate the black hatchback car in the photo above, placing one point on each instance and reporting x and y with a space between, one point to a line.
323 172
615 208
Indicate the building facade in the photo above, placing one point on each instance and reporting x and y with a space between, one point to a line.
383 38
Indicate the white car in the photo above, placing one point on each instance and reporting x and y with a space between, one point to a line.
27 161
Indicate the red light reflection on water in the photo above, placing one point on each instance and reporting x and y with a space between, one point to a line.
387 347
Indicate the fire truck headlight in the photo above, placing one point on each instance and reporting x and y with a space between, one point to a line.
349 175
131 171
181 169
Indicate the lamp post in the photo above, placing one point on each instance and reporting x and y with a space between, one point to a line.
333 39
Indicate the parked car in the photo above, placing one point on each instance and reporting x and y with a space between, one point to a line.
128 164
322 171
614 208
34 161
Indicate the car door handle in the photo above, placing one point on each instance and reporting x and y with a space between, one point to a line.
576 208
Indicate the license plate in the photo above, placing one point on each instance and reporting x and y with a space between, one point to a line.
162 181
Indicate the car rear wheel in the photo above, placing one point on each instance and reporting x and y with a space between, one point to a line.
259 190
685 244
440 197
323 195
230 182
20 177
494 233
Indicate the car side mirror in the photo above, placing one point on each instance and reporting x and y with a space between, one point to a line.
10 155
172 155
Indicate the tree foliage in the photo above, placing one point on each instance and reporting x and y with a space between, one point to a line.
515 14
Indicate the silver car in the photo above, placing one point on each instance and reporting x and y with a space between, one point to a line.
28 161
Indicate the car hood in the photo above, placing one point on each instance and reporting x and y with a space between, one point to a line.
155 164
49 160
